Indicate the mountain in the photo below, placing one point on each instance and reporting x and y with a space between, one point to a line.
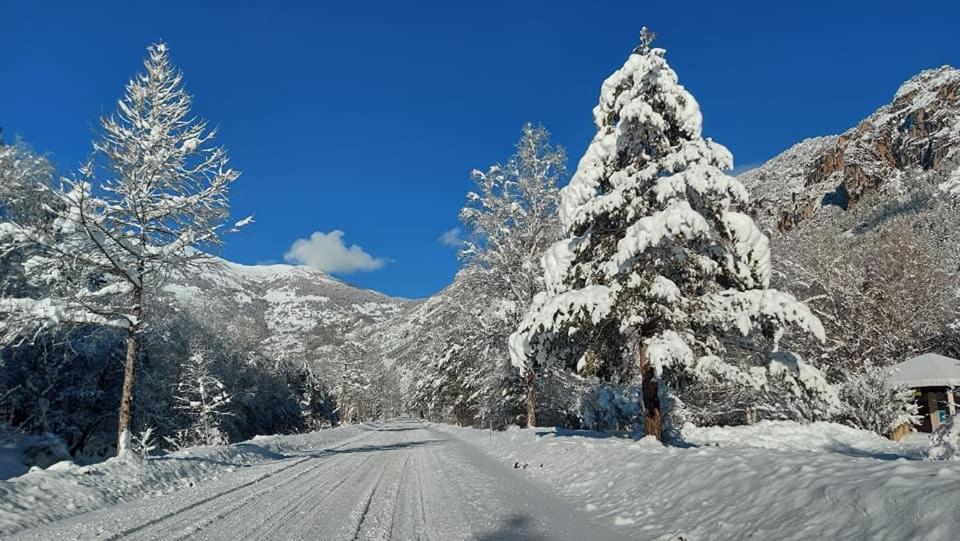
296 312
403 337
904 148
864 226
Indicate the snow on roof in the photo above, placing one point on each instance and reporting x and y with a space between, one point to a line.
927 370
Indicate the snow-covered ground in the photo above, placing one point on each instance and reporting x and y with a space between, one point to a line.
65 489
407 479
773 480
398 480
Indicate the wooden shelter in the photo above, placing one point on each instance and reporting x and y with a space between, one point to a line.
934 378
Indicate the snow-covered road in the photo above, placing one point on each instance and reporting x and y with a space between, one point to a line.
399 480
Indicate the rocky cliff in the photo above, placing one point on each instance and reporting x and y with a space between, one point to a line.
906 146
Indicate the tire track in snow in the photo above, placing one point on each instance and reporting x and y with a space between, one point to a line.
401 481
195 506
366 505
382 499
421 500
396 495
387 499
295 505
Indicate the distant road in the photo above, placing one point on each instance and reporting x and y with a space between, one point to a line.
400 480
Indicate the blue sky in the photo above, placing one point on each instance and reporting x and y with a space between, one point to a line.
365 118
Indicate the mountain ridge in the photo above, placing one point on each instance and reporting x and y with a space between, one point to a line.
292 311
905 145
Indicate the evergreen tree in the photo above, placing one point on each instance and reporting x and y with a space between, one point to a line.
203 397
353 391
660 266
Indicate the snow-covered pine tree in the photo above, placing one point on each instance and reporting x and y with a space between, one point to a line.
203 397
452 384
354 386
316 400
659 266
163 203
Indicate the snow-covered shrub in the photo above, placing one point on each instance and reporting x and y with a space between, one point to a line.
707 404
612 408
44 450
726 404
204 399
569 400
558 398
945 442
143 443
871 404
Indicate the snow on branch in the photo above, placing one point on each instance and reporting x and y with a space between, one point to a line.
153 198
757 310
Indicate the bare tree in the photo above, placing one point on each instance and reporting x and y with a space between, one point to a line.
509 219
882 297
161 205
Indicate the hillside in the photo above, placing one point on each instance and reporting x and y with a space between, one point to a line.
301 313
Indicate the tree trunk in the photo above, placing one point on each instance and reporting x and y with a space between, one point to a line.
652 422
130 365
531 398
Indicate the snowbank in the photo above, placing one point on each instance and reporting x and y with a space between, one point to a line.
66 489
790 436
19 453
945 443
773 480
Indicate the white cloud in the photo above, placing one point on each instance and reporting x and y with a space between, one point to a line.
451 237
328 253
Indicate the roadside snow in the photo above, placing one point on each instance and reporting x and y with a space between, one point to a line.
21 453
945 442
773 480
65 489
814 437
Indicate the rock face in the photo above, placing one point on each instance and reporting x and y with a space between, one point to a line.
893 151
